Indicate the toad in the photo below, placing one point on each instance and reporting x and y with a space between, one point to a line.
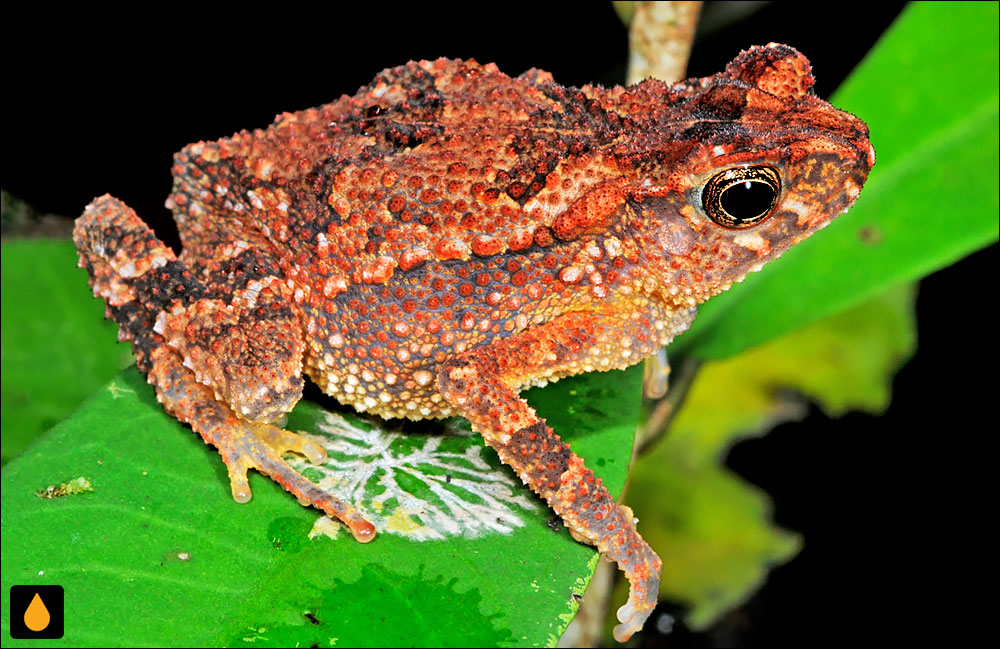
450 235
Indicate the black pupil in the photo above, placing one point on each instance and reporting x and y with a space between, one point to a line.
747 200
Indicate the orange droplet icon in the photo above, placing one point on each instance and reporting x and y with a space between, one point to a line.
36 616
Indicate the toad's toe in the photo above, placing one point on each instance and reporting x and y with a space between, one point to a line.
283 441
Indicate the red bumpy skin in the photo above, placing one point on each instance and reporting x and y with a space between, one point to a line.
449 235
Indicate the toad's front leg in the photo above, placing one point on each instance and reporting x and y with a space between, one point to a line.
225 359
481 385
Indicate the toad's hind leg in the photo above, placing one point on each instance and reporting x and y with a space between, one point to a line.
480 384
188 340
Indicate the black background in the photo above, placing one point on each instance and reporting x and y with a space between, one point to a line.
896 511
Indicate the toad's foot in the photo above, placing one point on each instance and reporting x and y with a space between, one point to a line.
246 445
243 453
642 567
207 352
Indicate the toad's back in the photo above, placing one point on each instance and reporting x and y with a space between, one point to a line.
416 219
446 205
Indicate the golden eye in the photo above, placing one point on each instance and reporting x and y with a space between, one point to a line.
741 197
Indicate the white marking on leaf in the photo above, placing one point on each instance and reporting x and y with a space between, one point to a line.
410 486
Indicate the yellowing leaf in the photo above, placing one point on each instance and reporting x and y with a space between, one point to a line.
712 530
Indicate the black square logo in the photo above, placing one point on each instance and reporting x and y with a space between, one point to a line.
36 612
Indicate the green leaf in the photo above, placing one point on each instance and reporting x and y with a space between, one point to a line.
712 530
929 93
57 349
159 553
